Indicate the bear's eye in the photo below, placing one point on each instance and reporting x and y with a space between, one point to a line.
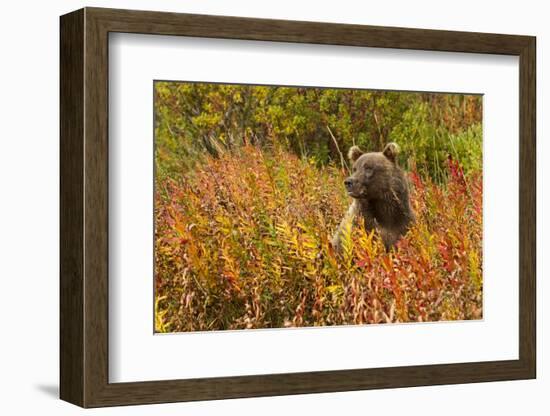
369 171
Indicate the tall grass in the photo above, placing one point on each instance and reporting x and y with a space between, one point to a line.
242 241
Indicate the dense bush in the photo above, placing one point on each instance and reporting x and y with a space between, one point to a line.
320 124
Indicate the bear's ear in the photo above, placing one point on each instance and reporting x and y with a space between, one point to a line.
354 153
390 151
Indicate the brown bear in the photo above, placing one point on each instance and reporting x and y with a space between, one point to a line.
380 195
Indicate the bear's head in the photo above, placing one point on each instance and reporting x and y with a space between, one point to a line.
372 172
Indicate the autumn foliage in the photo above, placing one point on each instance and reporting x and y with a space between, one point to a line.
242 241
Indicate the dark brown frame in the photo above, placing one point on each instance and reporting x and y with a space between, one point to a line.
84 208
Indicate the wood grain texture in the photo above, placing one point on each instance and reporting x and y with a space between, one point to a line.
527 207
84 207
96 219
71 208
225 27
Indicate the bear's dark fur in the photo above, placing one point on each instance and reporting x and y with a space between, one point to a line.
380 195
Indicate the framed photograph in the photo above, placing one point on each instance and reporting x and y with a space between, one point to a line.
254 207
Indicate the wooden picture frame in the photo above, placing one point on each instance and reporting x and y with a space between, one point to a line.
84 207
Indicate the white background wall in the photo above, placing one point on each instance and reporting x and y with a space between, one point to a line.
29 159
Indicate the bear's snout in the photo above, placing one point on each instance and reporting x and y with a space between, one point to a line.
352 187
348 183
